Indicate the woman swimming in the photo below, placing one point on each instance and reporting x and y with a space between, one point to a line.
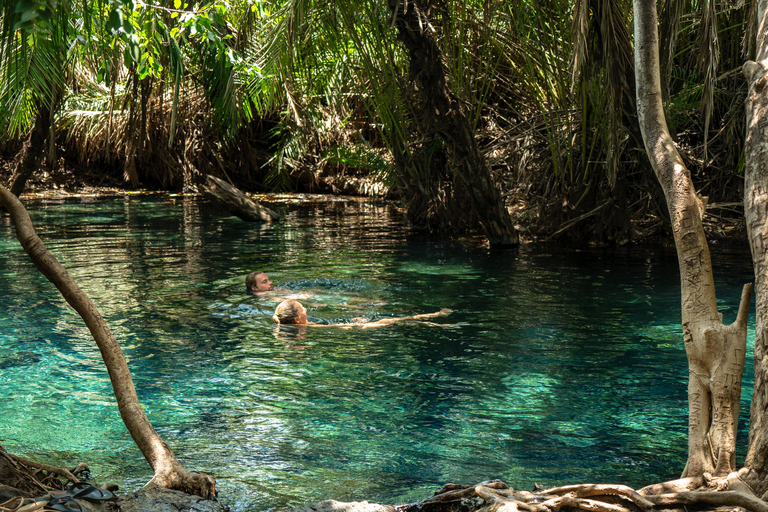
291 312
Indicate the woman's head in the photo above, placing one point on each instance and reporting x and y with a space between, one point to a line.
290 312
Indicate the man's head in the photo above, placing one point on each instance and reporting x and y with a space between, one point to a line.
258 282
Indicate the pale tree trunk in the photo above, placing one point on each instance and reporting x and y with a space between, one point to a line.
168 471
756 213
715 351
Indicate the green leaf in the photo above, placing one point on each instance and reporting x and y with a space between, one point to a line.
24 26
29 15
143 70
127 27
115 21
24 6
133 48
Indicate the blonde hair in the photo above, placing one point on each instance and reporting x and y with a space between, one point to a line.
287 312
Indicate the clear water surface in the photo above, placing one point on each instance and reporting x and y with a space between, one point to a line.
557 366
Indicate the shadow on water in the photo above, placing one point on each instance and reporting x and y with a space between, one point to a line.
556 367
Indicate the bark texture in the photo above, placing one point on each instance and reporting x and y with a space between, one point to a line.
168 471
31 153
715 351
237 203
443 115
756 213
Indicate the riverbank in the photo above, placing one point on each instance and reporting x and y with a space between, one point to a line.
723 222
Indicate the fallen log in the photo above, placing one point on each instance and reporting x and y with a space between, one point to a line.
237 202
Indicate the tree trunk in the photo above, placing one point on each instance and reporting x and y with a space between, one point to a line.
441 112
168 471
715 351
756 213
236 202
31 152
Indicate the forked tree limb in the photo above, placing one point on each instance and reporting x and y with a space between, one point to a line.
715 352
168 471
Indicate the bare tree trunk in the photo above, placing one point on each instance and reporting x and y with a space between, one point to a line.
168 471
715 351
443 114
756 213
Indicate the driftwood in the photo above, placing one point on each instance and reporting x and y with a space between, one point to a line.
237 203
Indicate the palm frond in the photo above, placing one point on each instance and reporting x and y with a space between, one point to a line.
709 60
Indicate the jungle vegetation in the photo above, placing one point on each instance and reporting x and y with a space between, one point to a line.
463 111
481 105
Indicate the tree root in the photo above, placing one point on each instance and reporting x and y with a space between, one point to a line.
20 504
45 467
29 477
591 490
717 498
179 479
496 496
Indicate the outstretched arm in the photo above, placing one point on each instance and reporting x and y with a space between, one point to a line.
389 321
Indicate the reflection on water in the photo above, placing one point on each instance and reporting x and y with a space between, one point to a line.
559 366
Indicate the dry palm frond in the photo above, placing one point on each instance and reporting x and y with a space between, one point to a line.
709 60
750 32
617 60
579 29
669 31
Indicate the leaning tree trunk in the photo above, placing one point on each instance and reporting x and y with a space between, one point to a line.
168 471
756 213
442 112
715 351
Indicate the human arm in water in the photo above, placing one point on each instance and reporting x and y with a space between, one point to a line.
363 324
291 311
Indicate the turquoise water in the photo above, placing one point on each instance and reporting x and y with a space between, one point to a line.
556 367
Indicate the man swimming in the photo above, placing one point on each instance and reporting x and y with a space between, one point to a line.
258 282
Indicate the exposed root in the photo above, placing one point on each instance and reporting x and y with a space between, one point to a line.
716 498
32 478
590 490
496 501
20 504
496 496
679 485
571 502
179 479
45 467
